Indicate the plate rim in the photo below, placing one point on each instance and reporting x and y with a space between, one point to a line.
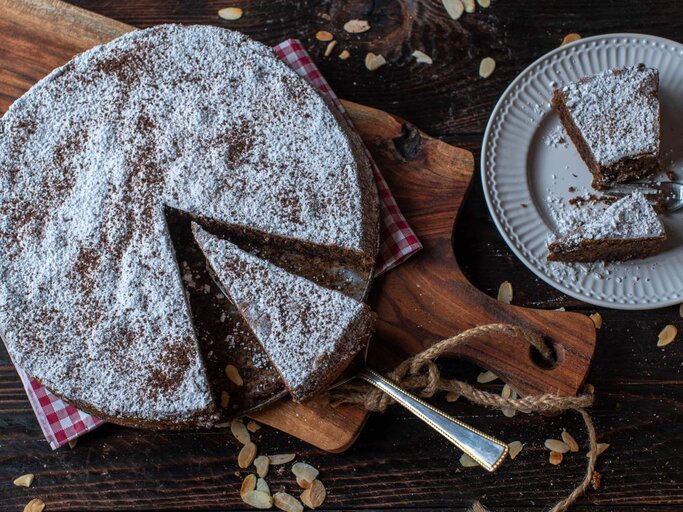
486 141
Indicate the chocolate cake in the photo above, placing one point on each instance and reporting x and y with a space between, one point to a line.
613 120
627 229
309 333
194 119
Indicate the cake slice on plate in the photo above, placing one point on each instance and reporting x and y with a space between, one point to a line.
310 333
613 120
627 229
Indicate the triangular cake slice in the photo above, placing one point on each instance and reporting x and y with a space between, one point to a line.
613 119
310 333
627 229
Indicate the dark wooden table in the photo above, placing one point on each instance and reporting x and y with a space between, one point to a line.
397 463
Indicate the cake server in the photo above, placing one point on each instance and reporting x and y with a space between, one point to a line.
664 196
487 451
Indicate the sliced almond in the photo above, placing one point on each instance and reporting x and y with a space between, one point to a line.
287 502
356 26
484 3
555 458
589 389
258 499
373 62
344 55
454 8
514 448
232 373
507 412
262 485
262 463
470 5
597 319
570 38
330 46
230 13
240 431
315 495
506 392
451 396
422 57
680 310
252 426
601 449
305 474
667 335
486 377
35 505
323 35
24 480
225 399
248 484
73 443
570 441
467 462
486 69
505 288
246 455
281 458
555 445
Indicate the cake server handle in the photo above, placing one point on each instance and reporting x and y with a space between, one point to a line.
484 449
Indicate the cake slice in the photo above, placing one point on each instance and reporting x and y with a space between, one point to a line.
627 229
310 333
613 120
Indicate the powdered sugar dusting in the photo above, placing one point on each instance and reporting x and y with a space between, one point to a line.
632 217
309 332
617 112
195 118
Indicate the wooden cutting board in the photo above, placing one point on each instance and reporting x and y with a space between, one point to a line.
422 301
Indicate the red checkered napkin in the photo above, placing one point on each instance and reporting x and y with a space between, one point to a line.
62 423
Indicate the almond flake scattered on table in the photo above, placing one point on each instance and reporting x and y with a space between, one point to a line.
356 26
24 480
597 319
467 462
487 67
454 8
555 445
486 377
287 502
570 38
323 35
555 458
373 61
667 335
230 13
514 448
315 495
505 292
422 57
570 441
330 46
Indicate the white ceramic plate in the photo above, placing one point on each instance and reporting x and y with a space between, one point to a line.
520 165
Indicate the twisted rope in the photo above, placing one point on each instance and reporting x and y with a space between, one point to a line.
421 375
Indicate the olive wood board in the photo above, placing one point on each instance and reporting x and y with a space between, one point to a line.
423 300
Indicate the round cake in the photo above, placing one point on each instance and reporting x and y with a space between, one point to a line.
200 120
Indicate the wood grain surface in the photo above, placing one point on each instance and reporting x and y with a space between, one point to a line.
396 463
